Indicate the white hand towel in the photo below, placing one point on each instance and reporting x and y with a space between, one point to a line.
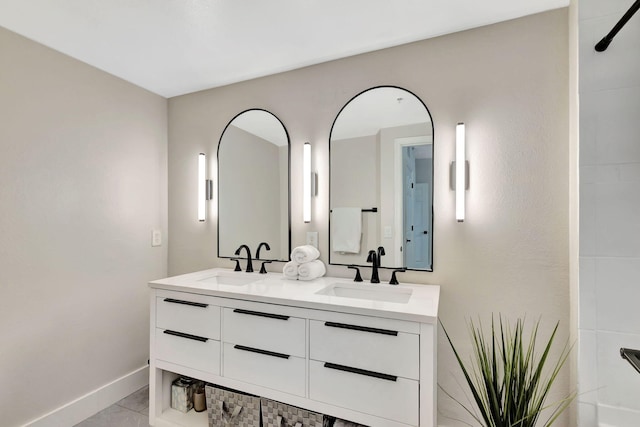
290 270
304 253
346 224
311 270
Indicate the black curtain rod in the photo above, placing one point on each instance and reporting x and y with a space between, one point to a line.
604 43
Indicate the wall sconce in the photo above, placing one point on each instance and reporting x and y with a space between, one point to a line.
306 182
205 187
459 173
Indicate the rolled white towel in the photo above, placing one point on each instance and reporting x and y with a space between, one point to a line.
311 270
290 270
304 253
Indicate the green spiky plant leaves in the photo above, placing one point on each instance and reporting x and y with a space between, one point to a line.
508 379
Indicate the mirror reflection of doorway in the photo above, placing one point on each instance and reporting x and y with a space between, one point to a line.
417 167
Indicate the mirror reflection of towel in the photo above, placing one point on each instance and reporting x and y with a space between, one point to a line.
346 224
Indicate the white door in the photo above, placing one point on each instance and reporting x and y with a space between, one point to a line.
421 224
408 202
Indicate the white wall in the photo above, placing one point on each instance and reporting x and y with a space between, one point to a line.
83 181
609 215
510 83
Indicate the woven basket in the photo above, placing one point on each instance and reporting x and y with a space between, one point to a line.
276 414
231 408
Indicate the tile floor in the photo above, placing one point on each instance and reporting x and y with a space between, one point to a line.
132 411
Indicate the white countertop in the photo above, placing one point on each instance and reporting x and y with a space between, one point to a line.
422 304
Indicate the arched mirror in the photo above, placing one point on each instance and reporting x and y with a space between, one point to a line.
381 188
253 186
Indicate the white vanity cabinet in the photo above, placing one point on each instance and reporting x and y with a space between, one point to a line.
365 366
266 348
374 366
187 331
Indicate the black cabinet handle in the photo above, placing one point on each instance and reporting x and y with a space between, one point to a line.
188 336
361 371
361 328
179 301
258 313
259 351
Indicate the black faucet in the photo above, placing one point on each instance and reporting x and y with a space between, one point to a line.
394 279
249 265
358 277
237 264
373 258
380 254
267 247
262 269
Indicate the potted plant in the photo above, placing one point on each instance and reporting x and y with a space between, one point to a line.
508 379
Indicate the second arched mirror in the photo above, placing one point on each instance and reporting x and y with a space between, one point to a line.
381 188
253 186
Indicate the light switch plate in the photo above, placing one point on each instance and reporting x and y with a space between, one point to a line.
156 238
312 238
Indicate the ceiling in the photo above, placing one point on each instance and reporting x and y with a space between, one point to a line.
174 47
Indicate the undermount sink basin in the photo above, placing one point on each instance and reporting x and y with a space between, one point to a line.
367 292
229 279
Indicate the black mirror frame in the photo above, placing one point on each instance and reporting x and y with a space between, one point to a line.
288 181
432 179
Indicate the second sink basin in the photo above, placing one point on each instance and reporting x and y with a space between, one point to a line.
367 292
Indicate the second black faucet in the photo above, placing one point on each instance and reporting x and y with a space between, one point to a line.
374 258
249 264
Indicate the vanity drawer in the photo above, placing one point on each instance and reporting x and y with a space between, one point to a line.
268 369
361 346
395 400
189 314
191 351
265 330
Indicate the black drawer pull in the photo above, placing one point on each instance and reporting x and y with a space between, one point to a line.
258 313
265 352
188 336
179 301
361 371
361 328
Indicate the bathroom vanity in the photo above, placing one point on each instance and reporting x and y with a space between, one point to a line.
357 351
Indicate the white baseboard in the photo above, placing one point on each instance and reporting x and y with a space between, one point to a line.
95 401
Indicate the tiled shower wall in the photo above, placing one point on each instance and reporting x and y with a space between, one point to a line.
609 216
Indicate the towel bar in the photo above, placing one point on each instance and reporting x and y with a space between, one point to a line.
365 210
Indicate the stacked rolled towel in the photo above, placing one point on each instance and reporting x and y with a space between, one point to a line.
304 264
305 253
290 270
311 270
